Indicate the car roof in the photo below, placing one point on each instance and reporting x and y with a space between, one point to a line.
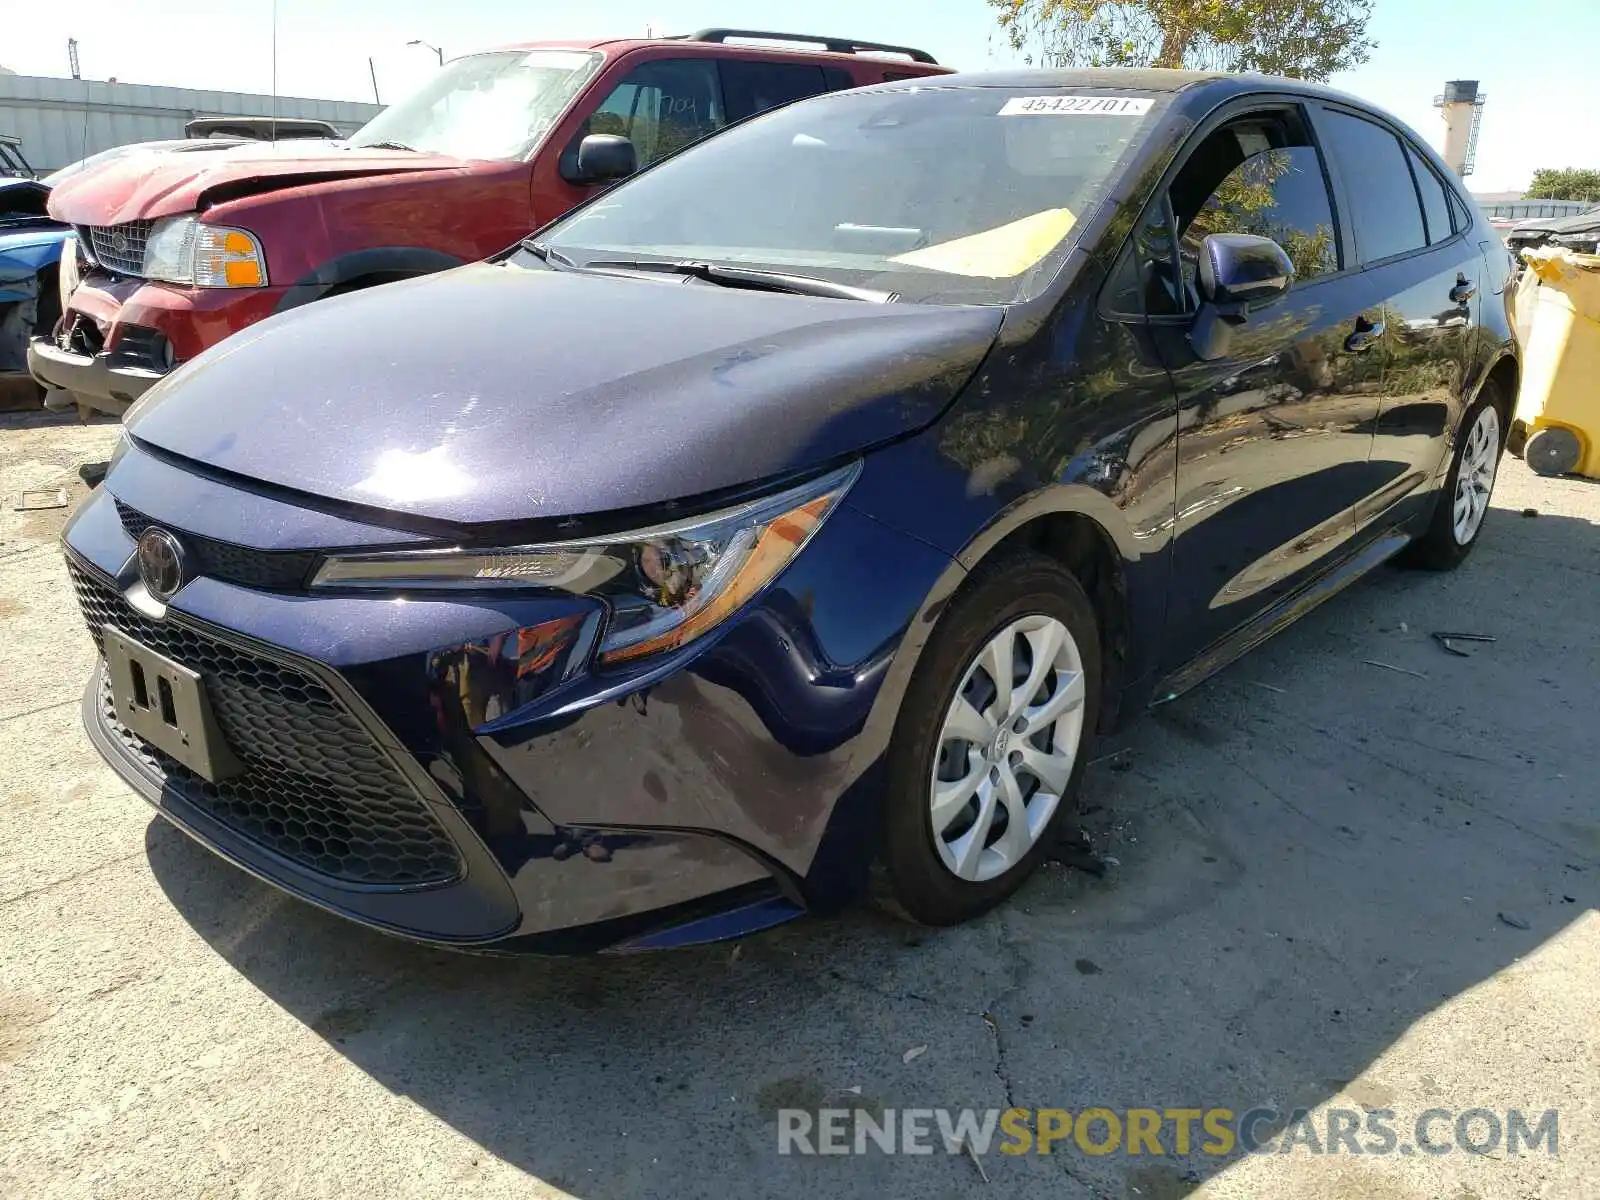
1216 85
619 46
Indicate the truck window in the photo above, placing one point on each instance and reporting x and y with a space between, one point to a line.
661 106
753 87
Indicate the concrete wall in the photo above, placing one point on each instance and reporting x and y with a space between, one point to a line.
63 120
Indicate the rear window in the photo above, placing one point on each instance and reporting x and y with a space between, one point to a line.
752 87
968 195
1435 206
1383 199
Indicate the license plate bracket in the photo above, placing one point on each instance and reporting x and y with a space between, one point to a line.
165 703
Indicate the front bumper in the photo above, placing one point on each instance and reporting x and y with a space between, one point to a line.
700 798
97 380
125 334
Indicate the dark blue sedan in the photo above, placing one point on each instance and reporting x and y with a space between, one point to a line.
806 502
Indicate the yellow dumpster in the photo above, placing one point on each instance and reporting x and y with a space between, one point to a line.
1558 405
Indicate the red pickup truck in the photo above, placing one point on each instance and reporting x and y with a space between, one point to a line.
177 251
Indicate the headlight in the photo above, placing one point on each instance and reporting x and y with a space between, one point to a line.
182 250
664 586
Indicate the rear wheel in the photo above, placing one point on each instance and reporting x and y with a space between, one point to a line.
992 741
1464 500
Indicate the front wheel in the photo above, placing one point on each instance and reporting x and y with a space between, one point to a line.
992 741
1464 500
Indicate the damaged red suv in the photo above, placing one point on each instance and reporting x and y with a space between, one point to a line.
177 251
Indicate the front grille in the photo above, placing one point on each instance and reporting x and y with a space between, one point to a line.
119 248
267 570
315 787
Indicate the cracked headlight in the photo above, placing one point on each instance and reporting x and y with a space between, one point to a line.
664 586
182 250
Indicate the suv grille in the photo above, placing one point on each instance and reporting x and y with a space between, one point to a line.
119 248
316 788
261 569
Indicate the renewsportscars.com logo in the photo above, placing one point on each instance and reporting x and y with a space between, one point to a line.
1172 1131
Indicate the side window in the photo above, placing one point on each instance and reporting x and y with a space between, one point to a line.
1258 175
753 87
661 106
1434 205
1383 200
1141 280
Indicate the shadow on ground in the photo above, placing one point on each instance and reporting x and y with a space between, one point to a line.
1313 850
41 418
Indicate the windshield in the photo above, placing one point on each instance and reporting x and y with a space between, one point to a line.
956 196
485 105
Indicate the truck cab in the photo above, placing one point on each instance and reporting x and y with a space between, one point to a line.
181 250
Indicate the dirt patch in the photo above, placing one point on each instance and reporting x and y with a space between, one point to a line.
20 1015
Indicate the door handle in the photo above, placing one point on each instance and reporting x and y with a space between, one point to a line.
1366 335
1462 292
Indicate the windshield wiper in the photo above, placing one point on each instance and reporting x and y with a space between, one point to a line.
385 146
746 277
546 253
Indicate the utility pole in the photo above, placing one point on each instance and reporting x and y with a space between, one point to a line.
373 71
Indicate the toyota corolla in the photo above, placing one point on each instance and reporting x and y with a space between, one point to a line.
803 505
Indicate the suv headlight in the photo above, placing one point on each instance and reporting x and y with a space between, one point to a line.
664 586
182 250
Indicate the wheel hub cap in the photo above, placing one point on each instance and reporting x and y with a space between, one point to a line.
1007 748
1480 457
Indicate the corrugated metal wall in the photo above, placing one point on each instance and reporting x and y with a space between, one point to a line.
63 120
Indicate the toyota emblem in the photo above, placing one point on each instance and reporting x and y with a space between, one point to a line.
160 563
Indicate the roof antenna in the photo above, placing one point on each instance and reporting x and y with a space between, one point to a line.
274 125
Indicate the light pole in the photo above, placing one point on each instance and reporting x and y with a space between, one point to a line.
430 46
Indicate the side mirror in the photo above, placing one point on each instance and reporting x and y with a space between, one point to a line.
1238 273
603 158
1239 268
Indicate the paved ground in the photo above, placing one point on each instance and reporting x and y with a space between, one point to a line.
1314 854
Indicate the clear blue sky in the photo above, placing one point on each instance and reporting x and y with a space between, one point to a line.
1543 108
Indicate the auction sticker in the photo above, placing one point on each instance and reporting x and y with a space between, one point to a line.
1073 106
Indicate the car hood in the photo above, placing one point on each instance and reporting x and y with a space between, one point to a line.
495 393
1576 223
166 183
22 195
23 251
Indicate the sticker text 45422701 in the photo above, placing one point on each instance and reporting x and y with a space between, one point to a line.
1074 106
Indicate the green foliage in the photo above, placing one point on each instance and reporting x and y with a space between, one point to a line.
1305 39
1565 183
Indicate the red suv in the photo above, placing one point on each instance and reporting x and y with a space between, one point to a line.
177 251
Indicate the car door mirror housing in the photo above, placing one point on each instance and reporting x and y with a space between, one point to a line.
1242 269
604 158
1238 273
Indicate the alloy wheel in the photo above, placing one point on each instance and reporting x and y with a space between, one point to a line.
1480 458
1007 747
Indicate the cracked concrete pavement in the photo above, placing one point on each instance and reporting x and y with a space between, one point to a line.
1314 854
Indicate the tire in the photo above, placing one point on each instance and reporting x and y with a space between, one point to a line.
1517 439
1020 599
1442 546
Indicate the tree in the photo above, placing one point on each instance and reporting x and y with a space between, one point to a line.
1306 39
1565 183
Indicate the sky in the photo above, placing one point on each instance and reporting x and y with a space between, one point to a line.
1543 96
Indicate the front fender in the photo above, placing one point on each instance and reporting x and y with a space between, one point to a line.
362 264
